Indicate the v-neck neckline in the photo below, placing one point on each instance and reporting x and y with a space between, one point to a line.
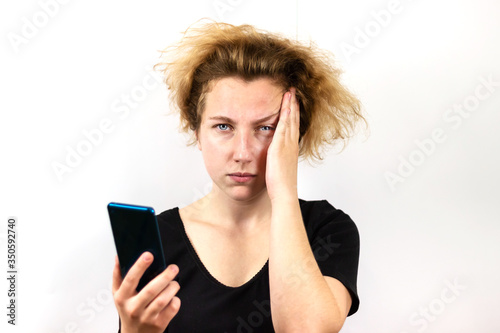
202 266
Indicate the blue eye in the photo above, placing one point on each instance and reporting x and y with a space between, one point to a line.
266 128
222 127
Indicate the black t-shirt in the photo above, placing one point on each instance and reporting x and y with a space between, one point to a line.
209 306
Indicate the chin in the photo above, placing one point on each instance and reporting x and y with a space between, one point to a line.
245 194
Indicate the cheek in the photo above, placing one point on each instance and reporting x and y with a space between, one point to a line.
214 153
263 148
209 150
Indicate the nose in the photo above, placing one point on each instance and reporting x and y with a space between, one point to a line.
242 147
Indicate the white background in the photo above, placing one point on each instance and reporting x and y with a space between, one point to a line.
67 68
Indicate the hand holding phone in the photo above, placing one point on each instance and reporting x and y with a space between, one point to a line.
135 231
152 309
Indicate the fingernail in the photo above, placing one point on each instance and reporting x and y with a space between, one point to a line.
290 96
174 268
147 257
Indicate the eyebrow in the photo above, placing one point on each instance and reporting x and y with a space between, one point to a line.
229 120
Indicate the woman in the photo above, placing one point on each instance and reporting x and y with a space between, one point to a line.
250 256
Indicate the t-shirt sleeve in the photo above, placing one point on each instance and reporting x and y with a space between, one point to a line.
334 239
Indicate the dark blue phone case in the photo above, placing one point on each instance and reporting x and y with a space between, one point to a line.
135 231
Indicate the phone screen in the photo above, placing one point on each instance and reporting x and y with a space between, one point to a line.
135 231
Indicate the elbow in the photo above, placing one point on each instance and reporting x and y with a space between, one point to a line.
334 328
331 328
316 327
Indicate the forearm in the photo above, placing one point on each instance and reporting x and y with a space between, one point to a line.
301 300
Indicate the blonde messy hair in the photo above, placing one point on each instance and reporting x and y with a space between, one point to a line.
212 51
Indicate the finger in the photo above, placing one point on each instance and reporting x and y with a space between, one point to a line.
287 104
294 113
157 285
117 276
163 299
171 309
135 273
284 114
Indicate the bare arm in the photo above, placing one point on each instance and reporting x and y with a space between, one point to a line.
302 299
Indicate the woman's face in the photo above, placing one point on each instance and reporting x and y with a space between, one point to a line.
237 126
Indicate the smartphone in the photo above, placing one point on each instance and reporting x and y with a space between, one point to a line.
135 231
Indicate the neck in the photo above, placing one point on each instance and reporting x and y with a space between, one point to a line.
232 213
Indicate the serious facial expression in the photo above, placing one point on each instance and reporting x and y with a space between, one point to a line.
236 129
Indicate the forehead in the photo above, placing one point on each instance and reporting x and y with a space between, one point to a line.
239 99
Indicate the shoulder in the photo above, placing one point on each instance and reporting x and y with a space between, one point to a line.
320 216
317 211
168 213
168 218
